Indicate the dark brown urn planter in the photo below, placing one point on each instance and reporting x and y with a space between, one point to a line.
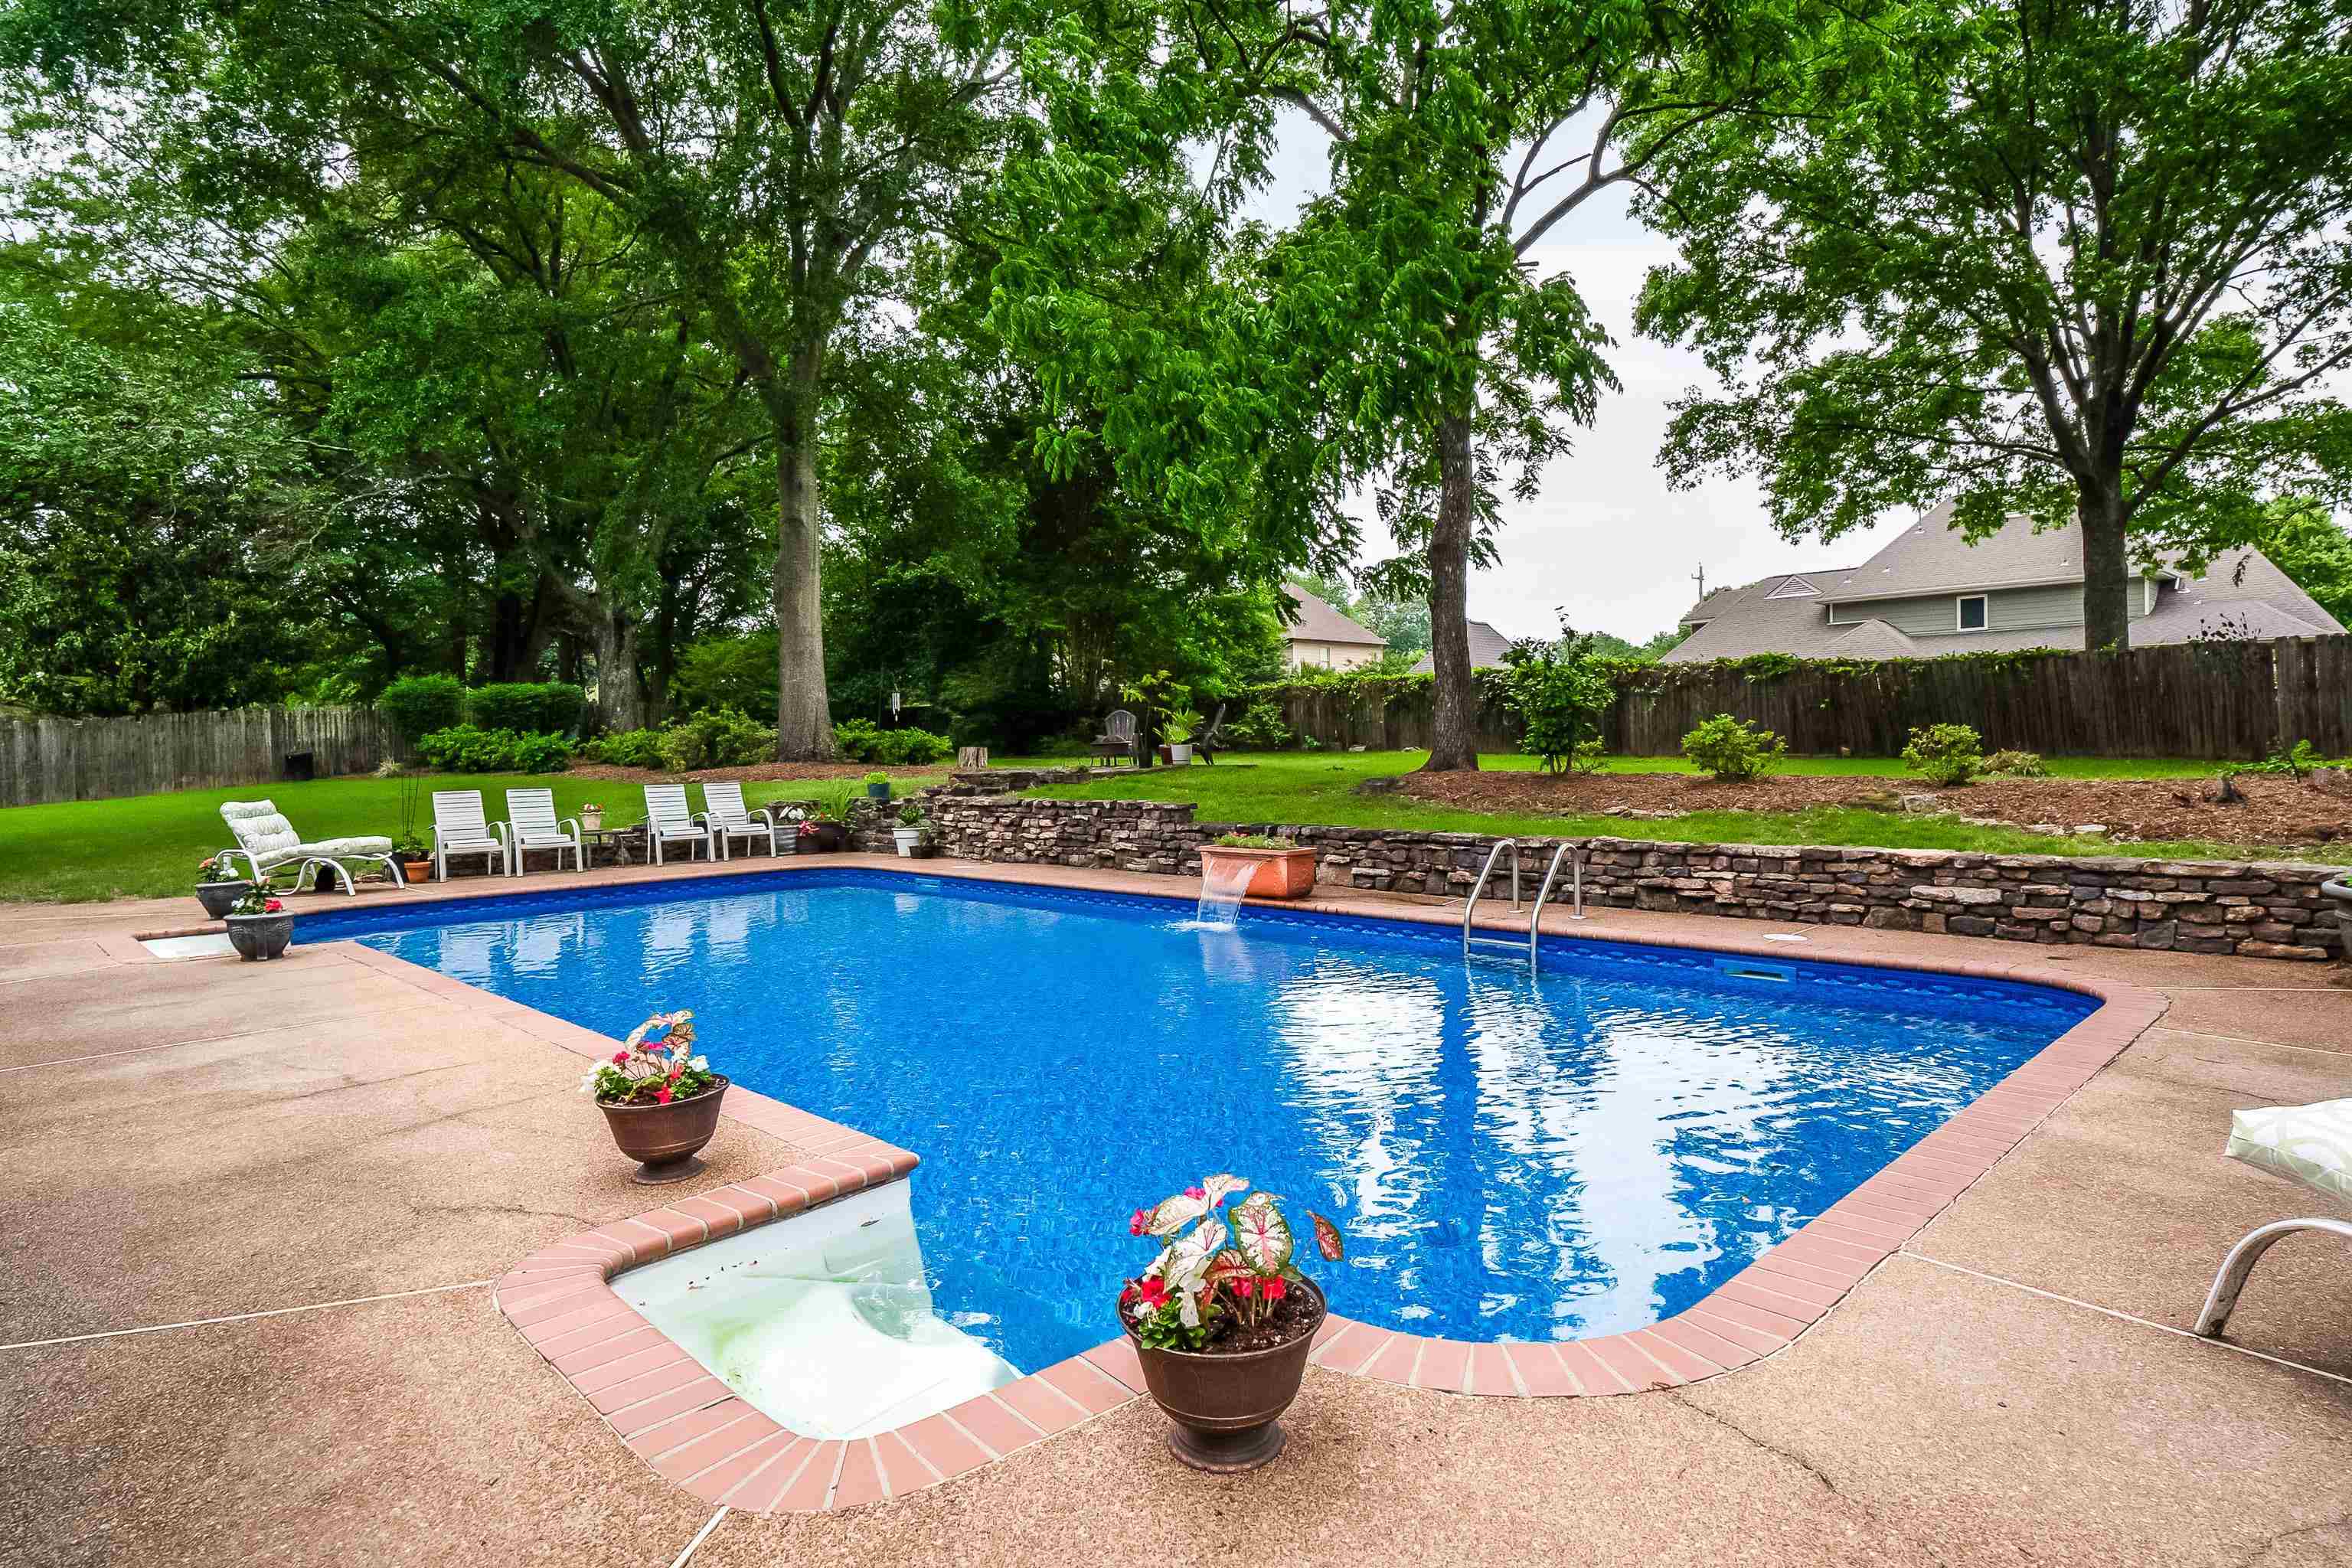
664 1139
219 898
826 838
1227 1408
259 936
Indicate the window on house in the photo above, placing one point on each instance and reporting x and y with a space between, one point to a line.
1973 608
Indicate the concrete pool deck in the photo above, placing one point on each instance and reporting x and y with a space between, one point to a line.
362 1158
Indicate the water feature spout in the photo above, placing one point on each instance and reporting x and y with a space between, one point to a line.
1222 887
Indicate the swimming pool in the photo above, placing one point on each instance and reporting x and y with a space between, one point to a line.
1586 1149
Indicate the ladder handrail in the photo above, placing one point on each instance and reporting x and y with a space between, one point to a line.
1544 892
1470 905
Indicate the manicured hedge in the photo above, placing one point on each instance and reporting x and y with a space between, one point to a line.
467 749
550 707
417 705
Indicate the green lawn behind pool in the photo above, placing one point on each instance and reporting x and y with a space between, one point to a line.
148 846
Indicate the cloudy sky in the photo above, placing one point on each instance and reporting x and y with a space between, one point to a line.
1604 539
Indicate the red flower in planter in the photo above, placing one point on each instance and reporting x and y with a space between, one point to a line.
1136 1221
662 1095
1274 1290
271 907
1152 1293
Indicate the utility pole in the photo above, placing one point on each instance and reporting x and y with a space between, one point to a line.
1701 575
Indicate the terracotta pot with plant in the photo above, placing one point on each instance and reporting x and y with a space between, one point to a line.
414 859
218 887
1259 867
258 926
660 1098
1222 1320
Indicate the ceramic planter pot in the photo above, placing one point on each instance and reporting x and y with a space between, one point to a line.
259 936
1179 754
219 898
664 1139
591 821
826 838
416 870
878 791
1278 873
1227 1408
908 840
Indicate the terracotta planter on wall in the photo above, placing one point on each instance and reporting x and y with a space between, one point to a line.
1227 1408
664 1139
1279 874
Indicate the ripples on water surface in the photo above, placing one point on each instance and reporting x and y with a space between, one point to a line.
1587 1150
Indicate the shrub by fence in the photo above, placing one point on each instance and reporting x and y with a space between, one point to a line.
2222 699
44 760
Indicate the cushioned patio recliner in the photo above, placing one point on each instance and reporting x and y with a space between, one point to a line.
268 844
2310 1145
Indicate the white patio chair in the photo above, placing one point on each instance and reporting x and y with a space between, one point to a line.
728 820
2310 1145
667 821
269 844
458 829
531 824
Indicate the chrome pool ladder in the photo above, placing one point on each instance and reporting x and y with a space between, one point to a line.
1543 894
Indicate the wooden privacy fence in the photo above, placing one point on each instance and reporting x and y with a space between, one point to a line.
2220 699
44 760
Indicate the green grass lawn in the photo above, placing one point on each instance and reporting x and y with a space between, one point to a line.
148 846
1292 787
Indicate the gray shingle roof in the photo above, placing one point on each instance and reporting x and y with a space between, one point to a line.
1486 649
1314 620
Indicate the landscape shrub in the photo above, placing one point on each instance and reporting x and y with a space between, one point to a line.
1733 749
1559 691
1259 729
417 705
1947 753
861 741
627 749
548 707
2017 764
469 749
720 738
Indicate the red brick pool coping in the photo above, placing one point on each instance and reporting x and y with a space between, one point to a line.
692 1429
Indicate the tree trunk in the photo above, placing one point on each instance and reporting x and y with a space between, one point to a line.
803 714
1454 727
620 699
2107 566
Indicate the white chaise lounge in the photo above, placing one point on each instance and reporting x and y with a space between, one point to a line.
269 844
727 819
2310 1145
667 821
531 824
458 829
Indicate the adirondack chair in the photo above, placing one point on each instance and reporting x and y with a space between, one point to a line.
530 818
268 844
458 829
727 819
667 821
1117 739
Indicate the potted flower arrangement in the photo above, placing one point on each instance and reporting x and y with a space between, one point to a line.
660 1098
913 832
592 818
218 888
258 926
1222 1320
416 860
825 830
878 785
1276 867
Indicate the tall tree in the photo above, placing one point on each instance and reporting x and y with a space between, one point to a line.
776 156
2079 258
1407 304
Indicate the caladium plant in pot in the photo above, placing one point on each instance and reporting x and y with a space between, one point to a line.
1222 1320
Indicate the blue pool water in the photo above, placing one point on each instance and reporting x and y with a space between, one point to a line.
1585 1149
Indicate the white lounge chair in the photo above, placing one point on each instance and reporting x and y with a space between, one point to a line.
458 829
2310 1145
531 824
667 821
269 844
728 820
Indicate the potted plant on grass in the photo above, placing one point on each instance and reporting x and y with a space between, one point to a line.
1276 867
659 1098
913 832
258 926
218 888
1222 1320
1176 731
878 785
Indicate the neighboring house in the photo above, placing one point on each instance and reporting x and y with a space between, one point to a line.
1487 646
1930 592
1323 638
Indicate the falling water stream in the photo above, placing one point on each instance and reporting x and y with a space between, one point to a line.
1222 887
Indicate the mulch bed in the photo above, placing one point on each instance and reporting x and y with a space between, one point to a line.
2277 810
756 772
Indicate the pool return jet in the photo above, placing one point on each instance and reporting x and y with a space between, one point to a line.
1472 941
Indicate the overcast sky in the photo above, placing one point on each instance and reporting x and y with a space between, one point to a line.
1604 539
